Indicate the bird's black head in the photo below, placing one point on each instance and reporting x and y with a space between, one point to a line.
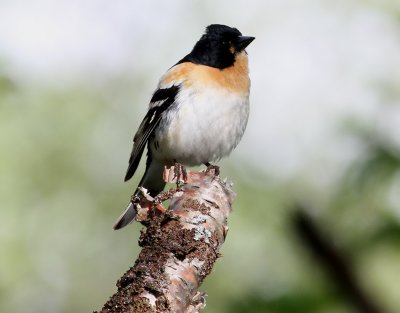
218 47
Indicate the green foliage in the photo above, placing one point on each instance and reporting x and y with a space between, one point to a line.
63 156
287 303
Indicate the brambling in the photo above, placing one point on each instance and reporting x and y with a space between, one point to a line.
198 112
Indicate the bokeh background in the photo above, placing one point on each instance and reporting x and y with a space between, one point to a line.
75 80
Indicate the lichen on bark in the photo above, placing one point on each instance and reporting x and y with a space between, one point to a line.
179 249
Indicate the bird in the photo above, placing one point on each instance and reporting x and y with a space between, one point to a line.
198 112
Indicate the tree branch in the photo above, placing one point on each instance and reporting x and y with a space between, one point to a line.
179 248
334 262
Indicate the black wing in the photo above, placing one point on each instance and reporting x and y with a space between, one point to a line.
161 101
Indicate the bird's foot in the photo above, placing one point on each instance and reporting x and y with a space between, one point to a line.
175 174
211 167
180 173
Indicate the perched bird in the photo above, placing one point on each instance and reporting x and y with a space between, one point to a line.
198 112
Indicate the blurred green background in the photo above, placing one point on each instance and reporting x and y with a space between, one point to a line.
75 79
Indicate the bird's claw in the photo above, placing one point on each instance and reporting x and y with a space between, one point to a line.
180 173
175 174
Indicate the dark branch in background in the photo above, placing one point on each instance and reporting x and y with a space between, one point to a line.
179 248
333 262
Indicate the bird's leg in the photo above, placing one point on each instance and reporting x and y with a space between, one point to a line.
179 173
211 167
171 175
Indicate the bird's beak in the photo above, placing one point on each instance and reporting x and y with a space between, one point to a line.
243 42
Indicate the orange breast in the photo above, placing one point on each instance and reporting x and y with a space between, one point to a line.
234 78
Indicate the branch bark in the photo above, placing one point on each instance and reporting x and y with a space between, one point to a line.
179 248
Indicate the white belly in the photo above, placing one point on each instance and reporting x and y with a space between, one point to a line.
205 128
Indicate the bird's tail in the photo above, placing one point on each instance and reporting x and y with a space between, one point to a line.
126 217
153 181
